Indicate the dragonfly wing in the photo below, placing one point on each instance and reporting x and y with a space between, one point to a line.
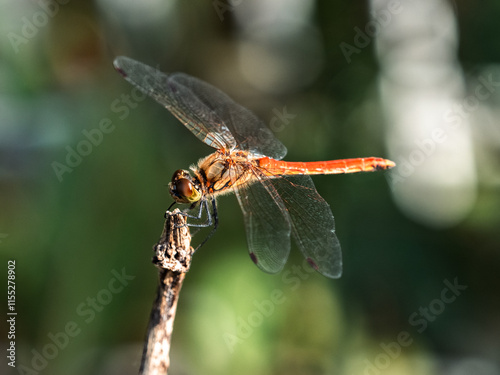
250 133
179 99
267 225
313 226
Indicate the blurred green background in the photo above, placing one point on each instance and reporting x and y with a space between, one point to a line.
419 294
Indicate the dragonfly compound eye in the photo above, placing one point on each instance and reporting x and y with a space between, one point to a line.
186 191
182 188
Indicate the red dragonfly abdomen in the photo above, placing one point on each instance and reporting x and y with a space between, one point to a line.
274 167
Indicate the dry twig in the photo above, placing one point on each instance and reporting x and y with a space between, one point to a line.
173 258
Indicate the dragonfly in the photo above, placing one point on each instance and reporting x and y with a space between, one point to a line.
278 198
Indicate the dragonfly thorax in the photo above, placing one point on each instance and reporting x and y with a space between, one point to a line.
183 188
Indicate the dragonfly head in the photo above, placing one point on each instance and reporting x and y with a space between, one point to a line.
183 188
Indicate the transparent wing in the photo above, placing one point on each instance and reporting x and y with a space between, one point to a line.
313 226
250 133
205 110
179 100
267 225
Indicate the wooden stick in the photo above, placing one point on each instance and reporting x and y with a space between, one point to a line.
173 258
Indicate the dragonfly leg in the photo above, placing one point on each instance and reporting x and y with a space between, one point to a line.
203 207
212 218
215 223
168 213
